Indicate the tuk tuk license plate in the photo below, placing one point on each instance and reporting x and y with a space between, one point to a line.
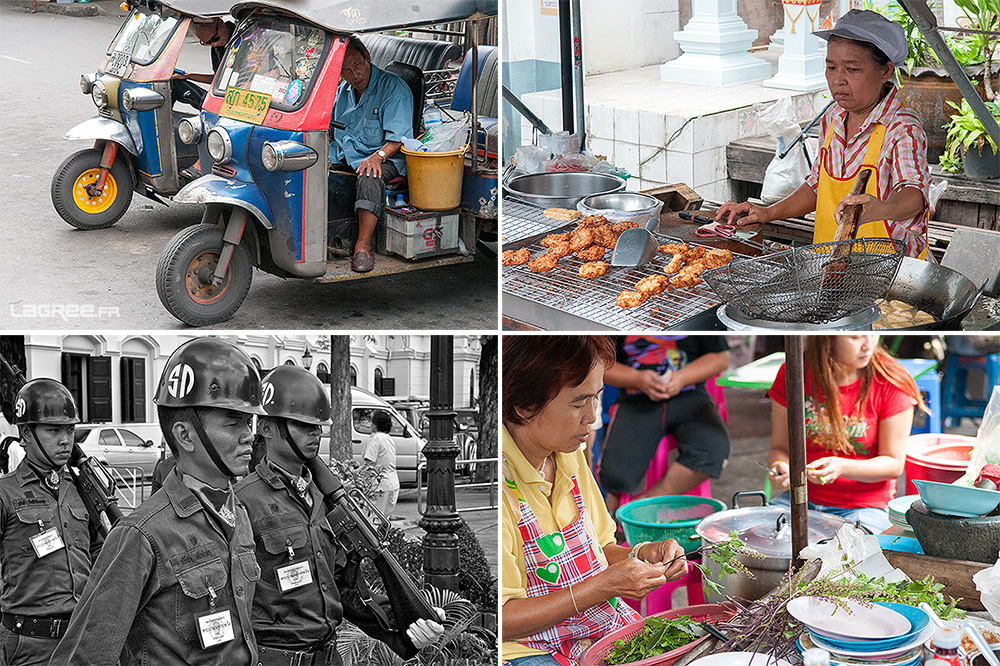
246 105
118 62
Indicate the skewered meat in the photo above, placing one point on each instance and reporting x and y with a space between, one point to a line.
515 257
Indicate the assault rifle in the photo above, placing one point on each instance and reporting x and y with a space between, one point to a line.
356 536
96 486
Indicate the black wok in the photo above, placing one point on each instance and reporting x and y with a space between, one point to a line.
942 292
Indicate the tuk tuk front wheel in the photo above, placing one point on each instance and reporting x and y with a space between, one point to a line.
73 192
184 277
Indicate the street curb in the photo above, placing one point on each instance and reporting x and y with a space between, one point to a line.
69 9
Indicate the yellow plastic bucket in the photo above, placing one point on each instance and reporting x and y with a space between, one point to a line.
435 179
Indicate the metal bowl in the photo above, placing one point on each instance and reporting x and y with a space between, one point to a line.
562 189
621 206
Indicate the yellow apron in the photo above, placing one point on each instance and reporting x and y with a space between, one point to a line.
832 191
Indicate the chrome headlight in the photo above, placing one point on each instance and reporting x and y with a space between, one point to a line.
189 130
141 99
87 83
220 146
99 93
287 156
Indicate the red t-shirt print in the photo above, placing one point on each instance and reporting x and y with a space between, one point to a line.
884 400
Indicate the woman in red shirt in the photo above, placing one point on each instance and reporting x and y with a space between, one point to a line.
856 444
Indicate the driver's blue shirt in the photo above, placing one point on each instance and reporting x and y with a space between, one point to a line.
384 113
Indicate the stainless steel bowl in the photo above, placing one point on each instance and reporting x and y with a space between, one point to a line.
562 189
620 206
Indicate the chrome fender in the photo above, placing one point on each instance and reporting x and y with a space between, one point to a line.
216 189
103 129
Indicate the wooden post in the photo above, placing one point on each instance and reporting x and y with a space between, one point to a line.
441 520
795 396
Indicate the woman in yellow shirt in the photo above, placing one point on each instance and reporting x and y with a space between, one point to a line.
562 572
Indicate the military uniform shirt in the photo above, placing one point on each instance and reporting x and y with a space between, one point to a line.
303 617
162 565
51 585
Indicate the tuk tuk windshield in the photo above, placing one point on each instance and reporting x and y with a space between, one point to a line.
144 36
275 57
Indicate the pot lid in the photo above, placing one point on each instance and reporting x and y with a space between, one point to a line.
766 529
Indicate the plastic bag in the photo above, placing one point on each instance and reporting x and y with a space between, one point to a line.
852 551
570 162
529 158
988 583
987 447
783 175
448 136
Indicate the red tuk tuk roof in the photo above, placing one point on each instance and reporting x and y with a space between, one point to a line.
373 15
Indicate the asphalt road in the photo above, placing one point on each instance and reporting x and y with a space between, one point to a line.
53 276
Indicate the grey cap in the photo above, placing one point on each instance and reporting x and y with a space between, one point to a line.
868 26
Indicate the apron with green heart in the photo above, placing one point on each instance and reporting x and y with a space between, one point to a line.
554 562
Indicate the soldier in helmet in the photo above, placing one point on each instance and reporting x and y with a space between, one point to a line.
306 586
47 541
174 584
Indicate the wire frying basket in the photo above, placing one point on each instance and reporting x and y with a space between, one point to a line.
811 284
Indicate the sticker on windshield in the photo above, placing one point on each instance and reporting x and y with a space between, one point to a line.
311 52
264 84
231 59
302 69
314 38
236 44
245 105
294 92
280 91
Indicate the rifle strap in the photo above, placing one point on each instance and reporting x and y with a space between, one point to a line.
365 593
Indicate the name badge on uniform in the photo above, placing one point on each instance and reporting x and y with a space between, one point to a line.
214 628
47 542
294 575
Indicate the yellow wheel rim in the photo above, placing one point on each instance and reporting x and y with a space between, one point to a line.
98 204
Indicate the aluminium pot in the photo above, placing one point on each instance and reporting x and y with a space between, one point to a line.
562 189
767 530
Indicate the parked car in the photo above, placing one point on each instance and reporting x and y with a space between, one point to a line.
408 441
120 447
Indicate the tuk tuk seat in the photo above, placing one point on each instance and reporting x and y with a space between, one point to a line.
486 95
425 54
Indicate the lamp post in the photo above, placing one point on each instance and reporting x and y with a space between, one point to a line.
440 520
307 358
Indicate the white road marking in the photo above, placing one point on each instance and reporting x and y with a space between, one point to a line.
25 62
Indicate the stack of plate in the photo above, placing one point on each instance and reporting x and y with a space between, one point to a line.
897 513
884 634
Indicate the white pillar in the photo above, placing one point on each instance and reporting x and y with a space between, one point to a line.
714 44
801 65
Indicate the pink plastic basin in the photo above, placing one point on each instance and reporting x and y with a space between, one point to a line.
936 457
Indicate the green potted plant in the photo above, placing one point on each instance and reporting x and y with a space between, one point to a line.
969 147
925 87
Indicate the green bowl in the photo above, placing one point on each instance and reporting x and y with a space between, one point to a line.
667 517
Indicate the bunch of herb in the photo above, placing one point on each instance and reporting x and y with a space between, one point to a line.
726 555
657 637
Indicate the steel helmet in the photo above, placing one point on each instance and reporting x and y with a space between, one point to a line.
209 372
45 401
295 393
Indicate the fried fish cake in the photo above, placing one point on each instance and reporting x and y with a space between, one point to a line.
591 221
605 236
559 250
717 257
624 225
543 263
593 269
652 285
629 299
561 214
515 257
688 277
580 239
673 248
695 253
553 239
591 253
675 263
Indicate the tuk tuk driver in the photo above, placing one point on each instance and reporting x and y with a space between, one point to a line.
866 128
213 33
377 108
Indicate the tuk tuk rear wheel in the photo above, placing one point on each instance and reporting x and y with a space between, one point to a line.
184 277
73 201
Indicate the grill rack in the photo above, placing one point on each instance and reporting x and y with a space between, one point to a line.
593 299
522 220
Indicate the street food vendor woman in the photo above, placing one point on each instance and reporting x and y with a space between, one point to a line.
866 127
563 575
